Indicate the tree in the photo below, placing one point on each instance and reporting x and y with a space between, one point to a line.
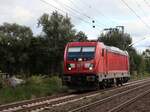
38 56
21 52
146 55
116 38
58 31
81 37
15 40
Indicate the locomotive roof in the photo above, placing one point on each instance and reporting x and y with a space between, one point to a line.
82 43
116 50
109 48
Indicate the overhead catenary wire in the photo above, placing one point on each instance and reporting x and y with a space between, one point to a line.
146 25
61 10
82 18
103 15
136 16
75 10
74 4
137 41
99 12
83 14
66 13
140 7
52 6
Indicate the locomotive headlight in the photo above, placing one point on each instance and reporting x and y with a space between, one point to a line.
91 67
70 66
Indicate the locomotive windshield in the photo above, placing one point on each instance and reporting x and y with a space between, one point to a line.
86 53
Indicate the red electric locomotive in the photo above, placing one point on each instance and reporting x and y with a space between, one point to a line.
93 65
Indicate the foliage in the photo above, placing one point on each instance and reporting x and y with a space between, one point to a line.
14 41
139 76
116 38
58 31
146 55
35 86
23 53
81 37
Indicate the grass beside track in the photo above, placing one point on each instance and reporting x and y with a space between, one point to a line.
35 86
140 76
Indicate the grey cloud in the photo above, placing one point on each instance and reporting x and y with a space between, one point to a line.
114 10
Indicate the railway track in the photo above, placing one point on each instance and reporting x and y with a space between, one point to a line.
47 103
128 102
116 102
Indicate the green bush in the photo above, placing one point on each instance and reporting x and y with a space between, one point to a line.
35 86
137 76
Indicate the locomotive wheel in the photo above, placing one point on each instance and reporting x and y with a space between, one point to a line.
101 85
119 81
105 83
110 82
97 86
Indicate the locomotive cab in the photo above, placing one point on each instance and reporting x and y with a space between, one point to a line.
77 56
79 65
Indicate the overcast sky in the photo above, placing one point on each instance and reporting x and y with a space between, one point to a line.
105 13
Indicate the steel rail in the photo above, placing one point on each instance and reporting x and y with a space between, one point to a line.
25 102
102 101
128 102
